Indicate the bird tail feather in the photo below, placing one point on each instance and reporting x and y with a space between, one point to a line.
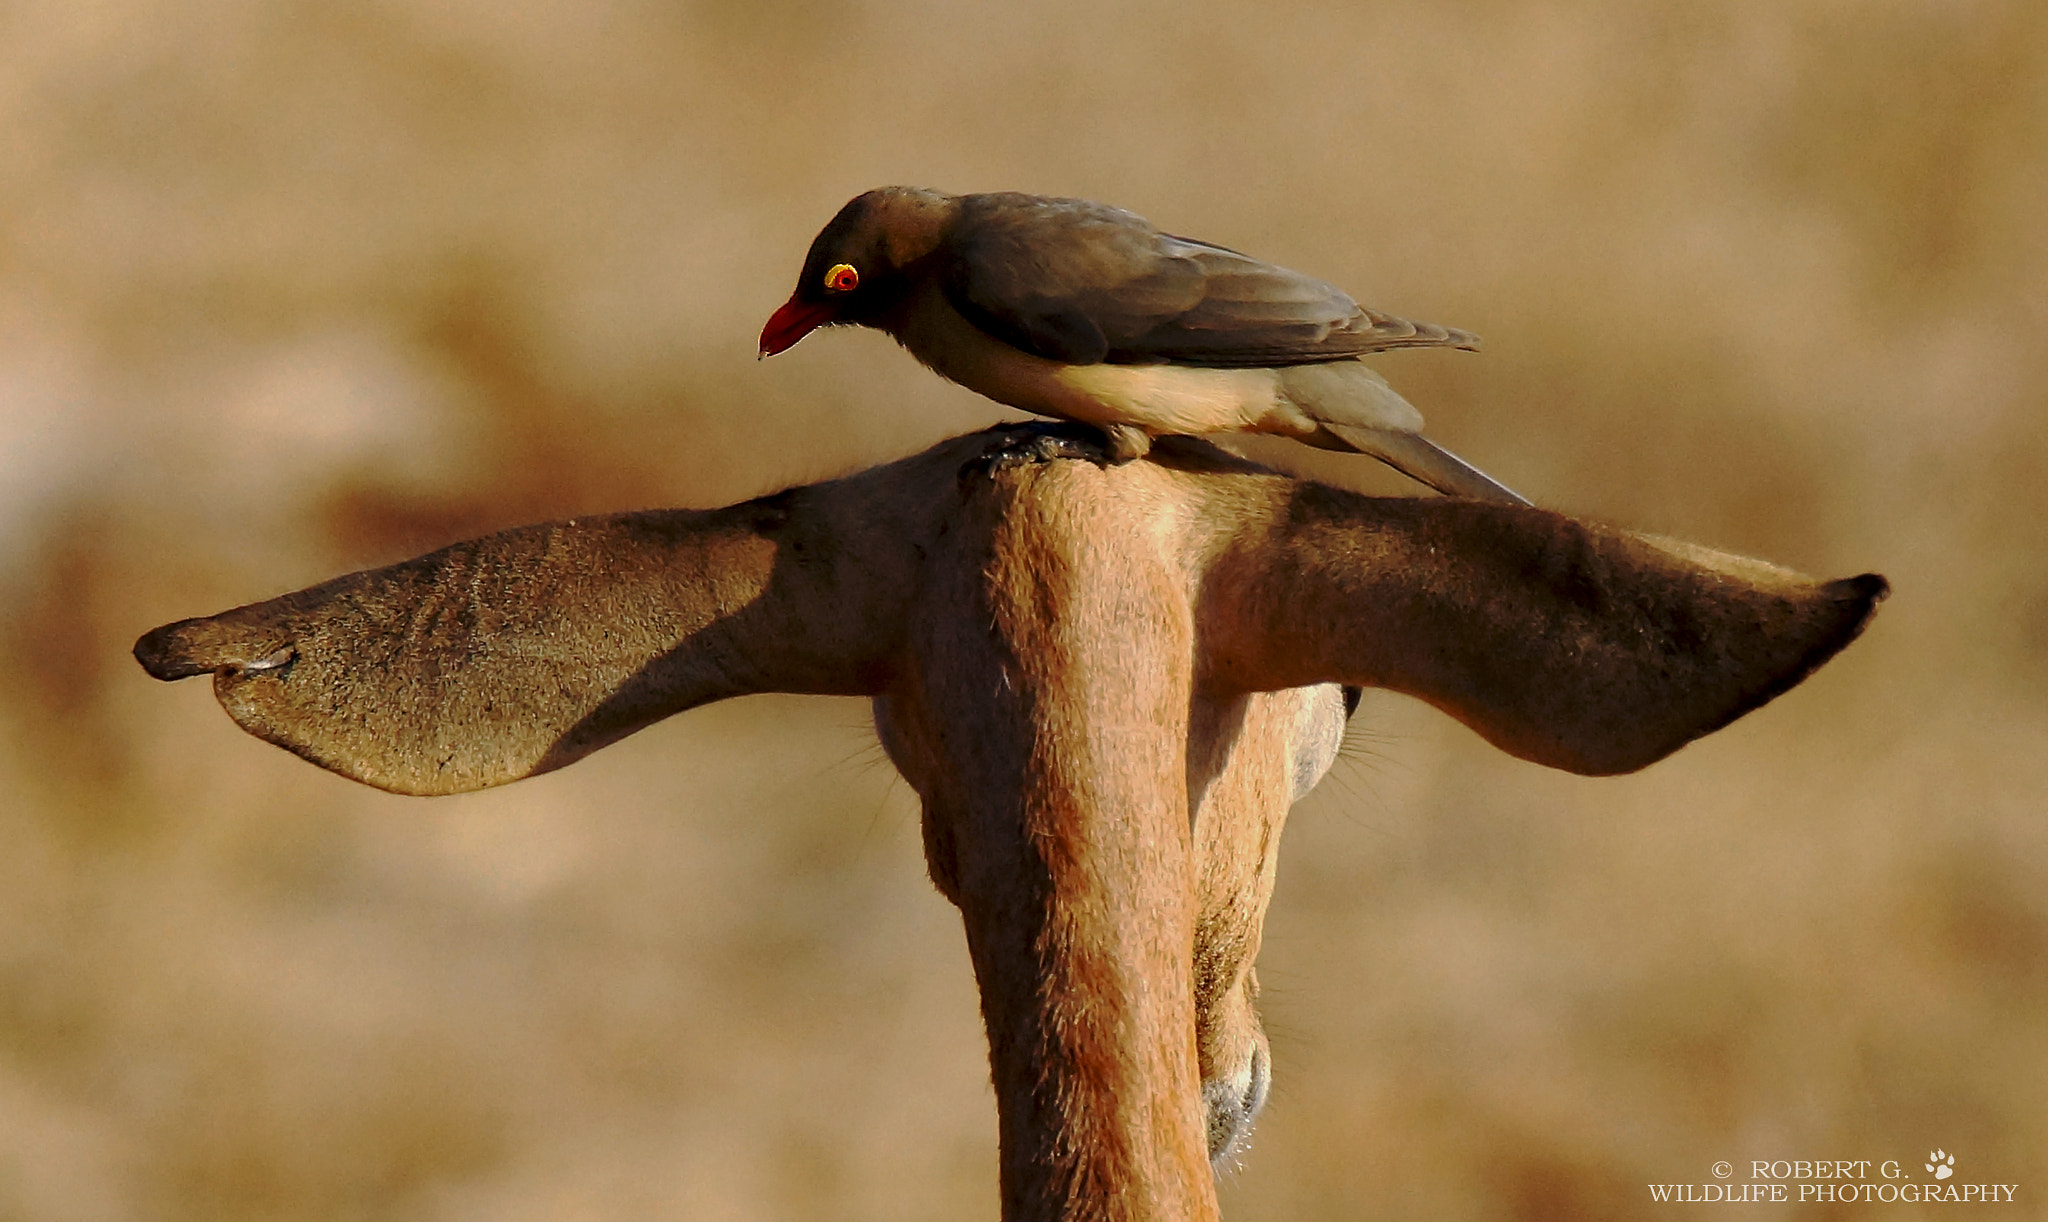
1420 459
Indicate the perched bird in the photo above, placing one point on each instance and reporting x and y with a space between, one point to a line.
1074 309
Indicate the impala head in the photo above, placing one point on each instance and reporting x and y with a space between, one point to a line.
1250 757
1106 685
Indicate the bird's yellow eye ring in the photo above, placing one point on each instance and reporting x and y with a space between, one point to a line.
843 278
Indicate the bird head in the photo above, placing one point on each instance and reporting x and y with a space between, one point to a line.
863 263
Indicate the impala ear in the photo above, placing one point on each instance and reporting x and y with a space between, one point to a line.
518 653
1577 646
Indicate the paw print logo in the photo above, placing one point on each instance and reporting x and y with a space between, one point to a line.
1943 1165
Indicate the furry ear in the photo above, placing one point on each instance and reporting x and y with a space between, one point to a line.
1572 645
511 655
1576 646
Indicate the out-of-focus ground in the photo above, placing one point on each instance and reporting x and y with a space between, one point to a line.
288 289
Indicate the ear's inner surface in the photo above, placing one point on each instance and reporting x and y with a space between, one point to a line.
1579 647
521 652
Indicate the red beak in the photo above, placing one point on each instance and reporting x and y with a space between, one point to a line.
791 323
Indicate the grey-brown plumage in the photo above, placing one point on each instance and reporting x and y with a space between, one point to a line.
1084 283
1079 310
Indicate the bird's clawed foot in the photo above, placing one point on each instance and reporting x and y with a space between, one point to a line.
1043 441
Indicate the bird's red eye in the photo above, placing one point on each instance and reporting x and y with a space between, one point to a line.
843 278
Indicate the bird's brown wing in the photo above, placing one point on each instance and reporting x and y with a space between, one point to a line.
1084 283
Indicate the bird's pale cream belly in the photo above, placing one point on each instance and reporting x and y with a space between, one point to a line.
1160 399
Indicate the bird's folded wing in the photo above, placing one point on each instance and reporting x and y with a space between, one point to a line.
1083 283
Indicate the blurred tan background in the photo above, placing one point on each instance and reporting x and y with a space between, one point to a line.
288 289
